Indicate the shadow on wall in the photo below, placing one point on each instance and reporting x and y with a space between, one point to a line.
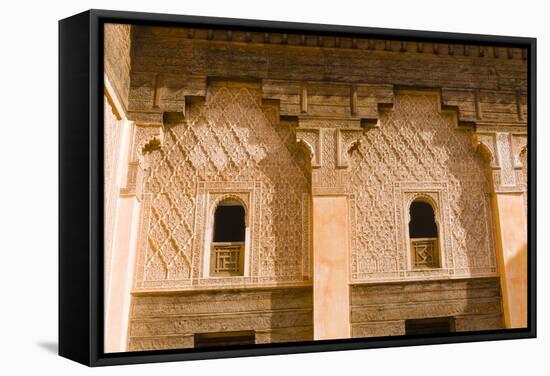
51 347
291 311
468 168
286 172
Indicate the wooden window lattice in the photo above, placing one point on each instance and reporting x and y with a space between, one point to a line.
424 253
227 258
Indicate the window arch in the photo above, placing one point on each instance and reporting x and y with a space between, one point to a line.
228 238
423 235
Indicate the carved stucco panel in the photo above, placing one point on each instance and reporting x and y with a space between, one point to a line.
310 138
331 175
145 136
519 144
504 147
506 159
230 138
417 144
519 152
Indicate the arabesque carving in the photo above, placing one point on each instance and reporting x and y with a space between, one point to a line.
503 148
418 147
229 139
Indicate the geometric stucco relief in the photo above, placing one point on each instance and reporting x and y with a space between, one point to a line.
504 147
230 143
418 145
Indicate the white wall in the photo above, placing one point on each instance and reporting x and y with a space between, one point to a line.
28 208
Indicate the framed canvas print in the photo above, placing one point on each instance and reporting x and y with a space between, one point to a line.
236 187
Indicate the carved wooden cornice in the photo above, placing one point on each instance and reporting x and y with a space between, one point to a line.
357 102
324 41
331 120
487 107
158 93
153 94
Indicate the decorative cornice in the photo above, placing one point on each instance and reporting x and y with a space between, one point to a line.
357 102
339 42
156 93
486 107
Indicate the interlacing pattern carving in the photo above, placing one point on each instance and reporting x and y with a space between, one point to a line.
507 176
417 144
503 146
230 137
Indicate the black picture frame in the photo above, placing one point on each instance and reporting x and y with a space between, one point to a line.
81 188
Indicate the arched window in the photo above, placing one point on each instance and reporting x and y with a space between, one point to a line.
423 235
228 239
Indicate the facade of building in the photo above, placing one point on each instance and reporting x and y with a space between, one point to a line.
270 187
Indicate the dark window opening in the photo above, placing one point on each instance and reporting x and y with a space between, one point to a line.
430 326
422 224
229 224
424 242
237 338
228 243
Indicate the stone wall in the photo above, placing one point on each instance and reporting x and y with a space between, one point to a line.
170 320
381 309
